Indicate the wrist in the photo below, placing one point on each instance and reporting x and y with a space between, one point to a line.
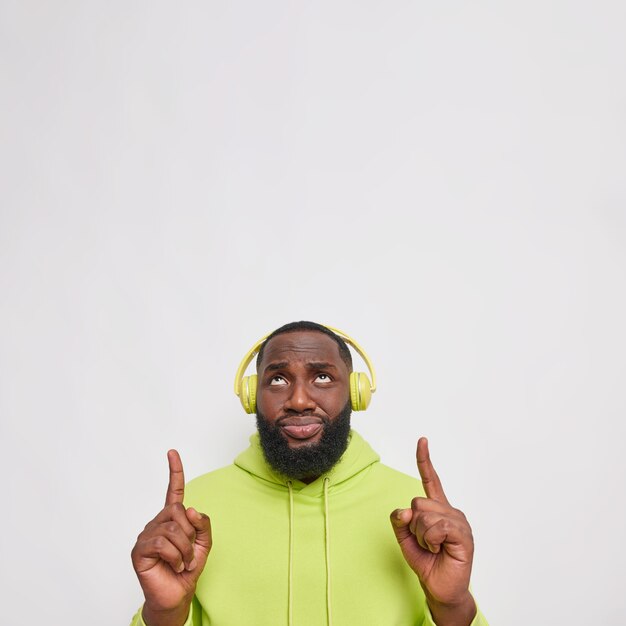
459 613
165 617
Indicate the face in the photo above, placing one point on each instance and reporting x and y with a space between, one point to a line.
303 403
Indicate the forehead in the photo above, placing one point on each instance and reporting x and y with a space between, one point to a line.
304 345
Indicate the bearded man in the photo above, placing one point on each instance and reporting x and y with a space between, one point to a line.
299 531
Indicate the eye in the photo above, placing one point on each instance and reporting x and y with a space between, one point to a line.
277 380
323 378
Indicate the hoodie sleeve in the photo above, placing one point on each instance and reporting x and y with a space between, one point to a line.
479 620
193 619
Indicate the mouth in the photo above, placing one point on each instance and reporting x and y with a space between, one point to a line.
301 428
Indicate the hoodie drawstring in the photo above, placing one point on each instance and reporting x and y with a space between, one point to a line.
327 534
327 554
290 582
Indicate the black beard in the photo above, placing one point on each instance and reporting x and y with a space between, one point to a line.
308 461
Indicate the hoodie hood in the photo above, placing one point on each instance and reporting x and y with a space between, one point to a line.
358 456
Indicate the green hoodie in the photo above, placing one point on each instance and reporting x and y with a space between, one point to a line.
290 554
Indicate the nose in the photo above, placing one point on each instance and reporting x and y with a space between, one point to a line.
299 400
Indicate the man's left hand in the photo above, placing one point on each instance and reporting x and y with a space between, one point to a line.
436 541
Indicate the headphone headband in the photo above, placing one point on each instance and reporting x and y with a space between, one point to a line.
256 347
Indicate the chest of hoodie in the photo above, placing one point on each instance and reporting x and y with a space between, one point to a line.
258 529
272 554
269 554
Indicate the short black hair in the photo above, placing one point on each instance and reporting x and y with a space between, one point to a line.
344 351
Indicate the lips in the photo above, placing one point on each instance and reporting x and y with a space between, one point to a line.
301 427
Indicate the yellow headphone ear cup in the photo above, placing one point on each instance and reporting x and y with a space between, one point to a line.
360 391
247 393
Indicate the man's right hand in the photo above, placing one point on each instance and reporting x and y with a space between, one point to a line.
171 553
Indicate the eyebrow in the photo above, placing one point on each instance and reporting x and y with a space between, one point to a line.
313 365
277 366
320 365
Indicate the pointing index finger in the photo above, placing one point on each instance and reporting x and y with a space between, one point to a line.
176 486
430 479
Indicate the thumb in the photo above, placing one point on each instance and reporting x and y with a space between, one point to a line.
202 525
416 557
400 520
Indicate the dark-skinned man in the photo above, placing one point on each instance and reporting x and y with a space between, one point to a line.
299 530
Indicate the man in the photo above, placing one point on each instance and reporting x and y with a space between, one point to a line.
300 521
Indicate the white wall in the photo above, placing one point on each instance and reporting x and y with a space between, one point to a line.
444 181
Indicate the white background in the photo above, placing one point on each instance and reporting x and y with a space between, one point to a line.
443 180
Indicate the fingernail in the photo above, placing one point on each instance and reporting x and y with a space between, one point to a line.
180 568
192 565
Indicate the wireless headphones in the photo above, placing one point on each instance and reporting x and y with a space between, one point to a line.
361 389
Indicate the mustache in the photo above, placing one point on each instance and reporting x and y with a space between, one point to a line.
295 416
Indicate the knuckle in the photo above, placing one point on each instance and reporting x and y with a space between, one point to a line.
141 539
172 528
427 519
159 543
445 525
460 514
177 507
